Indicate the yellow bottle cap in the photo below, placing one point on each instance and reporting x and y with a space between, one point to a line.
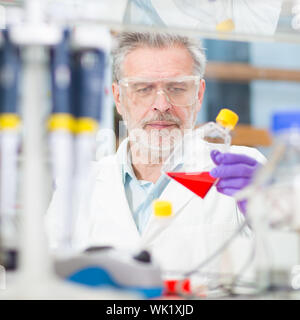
61 121
225 26
86 125
9 121
162 208
227 118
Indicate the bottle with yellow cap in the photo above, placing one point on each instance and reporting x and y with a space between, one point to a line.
219 132
216 136
162 209
163 213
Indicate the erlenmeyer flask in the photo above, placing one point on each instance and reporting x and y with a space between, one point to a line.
190 162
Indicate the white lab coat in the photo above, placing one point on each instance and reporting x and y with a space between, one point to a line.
198 227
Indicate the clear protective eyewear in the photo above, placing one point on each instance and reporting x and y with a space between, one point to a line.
179 91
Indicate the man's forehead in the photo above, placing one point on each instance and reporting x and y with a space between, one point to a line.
158 62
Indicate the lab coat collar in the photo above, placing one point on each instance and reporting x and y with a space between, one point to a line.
127 170
177 194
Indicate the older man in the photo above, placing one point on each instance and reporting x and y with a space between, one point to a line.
158 88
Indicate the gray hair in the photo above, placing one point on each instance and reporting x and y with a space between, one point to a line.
129 41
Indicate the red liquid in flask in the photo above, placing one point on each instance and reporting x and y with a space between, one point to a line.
198 182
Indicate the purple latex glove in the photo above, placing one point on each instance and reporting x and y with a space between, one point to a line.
234 171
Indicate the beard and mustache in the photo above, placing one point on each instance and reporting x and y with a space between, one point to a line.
154 146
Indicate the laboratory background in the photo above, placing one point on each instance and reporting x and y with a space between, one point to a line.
57 114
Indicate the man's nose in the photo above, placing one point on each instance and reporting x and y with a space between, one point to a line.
161 102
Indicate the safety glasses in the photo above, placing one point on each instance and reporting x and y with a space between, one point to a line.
179 91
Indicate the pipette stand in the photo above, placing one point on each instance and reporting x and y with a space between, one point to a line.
35 278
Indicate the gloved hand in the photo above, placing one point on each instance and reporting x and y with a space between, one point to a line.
235 172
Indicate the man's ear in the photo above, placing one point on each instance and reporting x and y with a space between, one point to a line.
202 86
117 97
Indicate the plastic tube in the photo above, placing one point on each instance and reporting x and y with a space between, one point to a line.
88 80
9 147
61 127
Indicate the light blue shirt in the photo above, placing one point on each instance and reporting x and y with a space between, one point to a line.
140 193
